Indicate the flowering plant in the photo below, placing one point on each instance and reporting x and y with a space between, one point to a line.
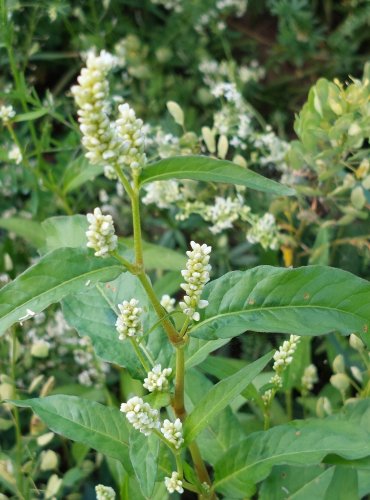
184 432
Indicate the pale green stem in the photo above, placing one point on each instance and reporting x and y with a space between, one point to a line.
178 400
123 261
139 354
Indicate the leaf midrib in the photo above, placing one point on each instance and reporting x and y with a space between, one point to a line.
267 309
244 469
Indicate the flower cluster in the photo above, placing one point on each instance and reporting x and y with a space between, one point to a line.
264 231
91 97
196 275
128 323
224 212
15 154
104 492
129 130
100 234
6 114
162 193
309 378
141 415
157 379
172 431
173 483
168 303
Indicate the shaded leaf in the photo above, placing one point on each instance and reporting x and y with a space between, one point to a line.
29 230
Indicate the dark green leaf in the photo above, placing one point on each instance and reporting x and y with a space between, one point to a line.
78 172
204 168
311 300
29 230
100 427
32 115
54 276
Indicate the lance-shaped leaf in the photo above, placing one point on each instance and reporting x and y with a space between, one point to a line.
144 458
297 443
100 427
29 230
311 300
100 326
204 168
54 276
217 398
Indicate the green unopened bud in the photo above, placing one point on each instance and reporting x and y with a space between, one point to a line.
209 139
340 381
239 160
53 486
176 112
40 349
357 374
323 407
338 364
222 147
45 439
356 343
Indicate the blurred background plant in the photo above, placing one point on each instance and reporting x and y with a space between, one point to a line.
218 77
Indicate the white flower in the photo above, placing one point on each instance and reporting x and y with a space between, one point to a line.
91 97
309 378
140 415
284 356
228 91
157 379
173 483
132 138
15 154
224 212
168 303
264 231
172 431
196 275
128 323
6 114
162 193
104 492
100 234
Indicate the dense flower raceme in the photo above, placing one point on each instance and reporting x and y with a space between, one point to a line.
168 303
173 483
172 431
141 415
100 235
104 492
109 143
282 359
196 275
128 323
157 379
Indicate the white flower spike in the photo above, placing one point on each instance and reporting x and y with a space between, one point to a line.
128 323
100 235
173 483
141 415
172 431
157 379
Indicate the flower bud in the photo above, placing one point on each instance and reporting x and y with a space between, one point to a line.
340 381
49 460
323 407
338 364
356 343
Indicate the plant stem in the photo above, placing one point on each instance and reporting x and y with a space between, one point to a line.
178 400
137 227
140 355
289 404
123 261
199 464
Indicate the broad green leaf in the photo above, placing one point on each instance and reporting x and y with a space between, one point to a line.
220 396
54 276
223 431
29 230
100 427
197 350
78 172
311 300
69 231
320 253
300 442
204 168
144 457
32 115
100 326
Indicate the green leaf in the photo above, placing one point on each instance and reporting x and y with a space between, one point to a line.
100 427
100 326
320 252
29 230
204 168
337 483
144 457
158 257
300 442
54 276
311 300
197 350
32 115
78 172
220 396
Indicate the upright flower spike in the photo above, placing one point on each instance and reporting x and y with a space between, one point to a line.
128 323
129 130
100 235
7 113
172 431
284 356
173 483
157 379
196 275
104 492
141 415
91 97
